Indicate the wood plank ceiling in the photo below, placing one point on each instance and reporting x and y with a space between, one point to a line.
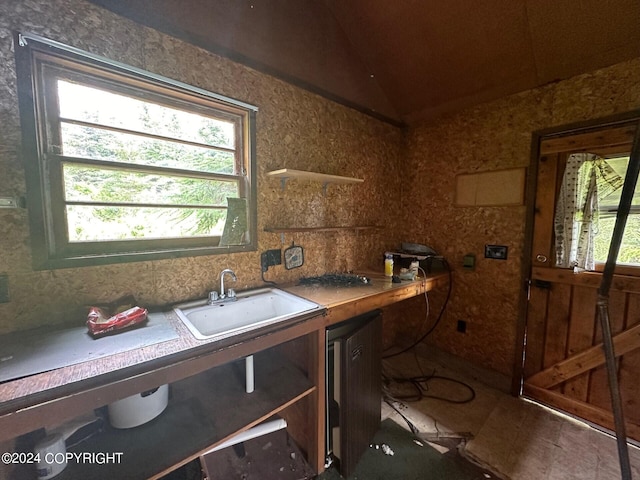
405 61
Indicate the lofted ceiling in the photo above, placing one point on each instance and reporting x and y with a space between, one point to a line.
408 60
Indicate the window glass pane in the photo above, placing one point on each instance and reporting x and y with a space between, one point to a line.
630 246
90 104
610 203
91 184
101 144
133 166
91 223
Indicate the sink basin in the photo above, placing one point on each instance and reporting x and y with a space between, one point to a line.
252 309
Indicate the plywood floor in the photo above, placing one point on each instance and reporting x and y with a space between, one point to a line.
514 438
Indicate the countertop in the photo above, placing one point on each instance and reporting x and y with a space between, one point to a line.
343 303
129 371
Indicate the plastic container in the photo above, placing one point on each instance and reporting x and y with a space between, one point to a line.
388 264
138 409
413 267
52 456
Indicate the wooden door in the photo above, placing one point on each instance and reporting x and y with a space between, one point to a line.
564 360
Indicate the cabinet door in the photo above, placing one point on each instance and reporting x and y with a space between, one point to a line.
360 392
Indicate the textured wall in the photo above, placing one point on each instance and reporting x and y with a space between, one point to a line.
299 130
295 129
492 136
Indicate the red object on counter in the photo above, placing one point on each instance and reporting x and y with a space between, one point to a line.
100 324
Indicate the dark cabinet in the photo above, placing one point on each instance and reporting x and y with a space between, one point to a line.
353 388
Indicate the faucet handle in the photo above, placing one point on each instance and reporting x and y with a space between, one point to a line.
231 293
213 297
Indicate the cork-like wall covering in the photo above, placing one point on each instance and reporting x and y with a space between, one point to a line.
295 129
408 189
493 136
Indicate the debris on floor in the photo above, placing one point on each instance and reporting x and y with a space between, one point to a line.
272 456
386 449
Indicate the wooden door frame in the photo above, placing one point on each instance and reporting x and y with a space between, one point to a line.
537 137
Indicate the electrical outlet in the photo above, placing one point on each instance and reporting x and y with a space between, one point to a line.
497 252
269 258
4 288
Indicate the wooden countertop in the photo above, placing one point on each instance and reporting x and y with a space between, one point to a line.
343 303
38 400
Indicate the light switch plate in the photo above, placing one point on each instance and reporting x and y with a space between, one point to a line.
469 261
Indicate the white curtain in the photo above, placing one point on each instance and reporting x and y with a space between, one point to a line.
587 179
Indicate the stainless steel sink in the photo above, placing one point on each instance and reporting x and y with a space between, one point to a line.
252 309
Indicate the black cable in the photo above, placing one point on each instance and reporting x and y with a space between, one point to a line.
389 398
417 382
269 282
420 382
412 427
440 315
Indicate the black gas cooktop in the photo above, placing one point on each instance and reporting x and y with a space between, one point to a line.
337 279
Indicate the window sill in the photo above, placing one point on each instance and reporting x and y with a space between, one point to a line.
621 269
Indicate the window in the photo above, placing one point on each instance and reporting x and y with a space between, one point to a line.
587 180
629 253
581 172
123 165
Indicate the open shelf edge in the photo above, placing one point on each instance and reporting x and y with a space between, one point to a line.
204 410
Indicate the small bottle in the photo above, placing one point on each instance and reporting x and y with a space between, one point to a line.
413 267
388 265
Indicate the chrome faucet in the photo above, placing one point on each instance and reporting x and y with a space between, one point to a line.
230 296
231 293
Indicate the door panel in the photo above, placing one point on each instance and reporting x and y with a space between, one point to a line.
581 333
558 325
536 325
545 202
630 364
564 359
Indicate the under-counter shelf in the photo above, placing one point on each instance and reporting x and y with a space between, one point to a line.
285 174
318 229
203 411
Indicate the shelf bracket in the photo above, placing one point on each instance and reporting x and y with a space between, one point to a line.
283 183
324 188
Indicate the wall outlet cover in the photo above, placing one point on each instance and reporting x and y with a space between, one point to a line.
497 252
269 258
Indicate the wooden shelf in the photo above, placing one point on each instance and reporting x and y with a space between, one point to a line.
318 229
285 174
204 410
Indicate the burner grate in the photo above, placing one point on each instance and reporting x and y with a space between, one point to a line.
337 279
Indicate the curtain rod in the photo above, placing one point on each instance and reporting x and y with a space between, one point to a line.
24 38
